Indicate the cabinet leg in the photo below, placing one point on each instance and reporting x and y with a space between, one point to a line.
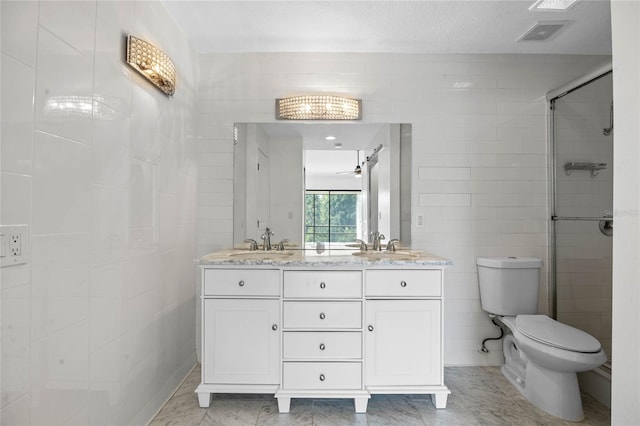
204 399
284 404
439 399
361 404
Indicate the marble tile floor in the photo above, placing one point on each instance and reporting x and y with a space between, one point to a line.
479 396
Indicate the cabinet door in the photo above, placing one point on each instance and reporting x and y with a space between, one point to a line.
403 343
240 343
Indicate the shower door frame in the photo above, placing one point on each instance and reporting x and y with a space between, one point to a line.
599 72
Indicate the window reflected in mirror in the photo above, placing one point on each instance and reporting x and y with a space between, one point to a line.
332 216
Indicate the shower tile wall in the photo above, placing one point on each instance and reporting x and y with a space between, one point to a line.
584 254
479 152
99 326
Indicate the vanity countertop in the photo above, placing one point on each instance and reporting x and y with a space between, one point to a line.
330 257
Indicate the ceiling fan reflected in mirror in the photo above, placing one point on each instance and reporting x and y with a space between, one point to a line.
357 172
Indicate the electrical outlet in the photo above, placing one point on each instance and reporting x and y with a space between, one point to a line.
419 220
14 245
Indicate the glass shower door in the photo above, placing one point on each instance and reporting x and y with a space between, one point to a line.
583 199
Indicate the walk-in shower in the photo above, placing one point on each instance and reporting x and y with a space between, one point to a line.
581 133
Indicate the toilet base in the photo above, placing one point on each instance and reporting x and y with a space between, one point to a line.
514 368
554 392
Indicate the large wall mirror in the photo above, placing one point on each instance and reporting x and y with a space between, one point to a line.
323 183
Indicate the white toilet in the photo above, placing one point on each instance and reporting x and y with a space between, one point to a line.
542 356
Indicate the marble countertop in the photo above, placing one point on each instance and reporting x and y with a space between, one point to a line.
326 257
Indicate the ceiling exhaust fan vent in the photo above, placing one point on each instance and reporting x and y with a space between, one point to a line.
543 31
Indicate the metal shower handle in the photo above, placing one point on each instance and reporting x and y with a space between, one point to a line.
607 131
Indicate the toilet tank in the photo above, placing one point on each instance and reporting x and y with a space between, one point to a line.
509 285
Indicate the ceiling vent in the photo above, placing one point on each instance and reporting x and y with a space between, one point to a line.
543 31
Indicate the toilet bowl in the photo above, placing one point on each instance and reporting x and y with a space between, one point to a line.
542 357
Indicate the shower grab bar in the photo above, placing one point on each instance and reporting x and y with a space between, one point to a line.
594 219
605 223
594 168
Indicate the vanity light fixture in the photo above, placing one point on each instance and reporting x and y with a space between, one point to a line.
152 63
318 107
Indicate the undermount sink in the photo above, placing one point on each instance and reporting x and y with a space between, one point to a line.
391 255
261 255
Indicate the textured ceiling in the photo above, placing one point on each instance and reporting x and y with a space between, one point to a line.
437 26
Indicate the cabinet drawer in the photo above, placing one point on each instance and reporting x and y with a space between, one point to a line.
241 282
323 284
322 375
322 315
317 344
403 283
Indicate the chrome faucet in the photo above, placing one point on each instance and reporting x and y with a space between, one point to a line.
253 244
377 237
280 245
363 245
391 245
266 239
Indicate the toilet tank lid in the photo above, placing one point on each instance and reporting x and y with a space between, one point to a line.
510 262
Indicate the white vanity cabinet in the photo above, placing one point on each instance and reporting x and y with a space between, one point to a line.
323 330
400 343
403 323
240 332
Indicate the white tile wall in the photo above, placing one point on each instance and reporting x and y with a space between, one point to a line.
99 326
479 151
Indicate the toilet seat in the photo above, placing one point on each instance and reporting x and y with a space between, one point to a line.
545 330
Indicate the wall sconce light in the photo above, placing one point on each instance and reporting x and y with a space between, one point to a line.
152 63
318 107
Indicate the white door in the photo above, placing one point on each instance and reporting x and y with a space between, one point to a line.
403 342
241 341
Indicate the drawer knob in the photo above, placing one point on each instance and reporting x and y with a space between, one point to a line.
322 315
322 284
403 283
370 328
241 283
322 346
274 327
322 377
